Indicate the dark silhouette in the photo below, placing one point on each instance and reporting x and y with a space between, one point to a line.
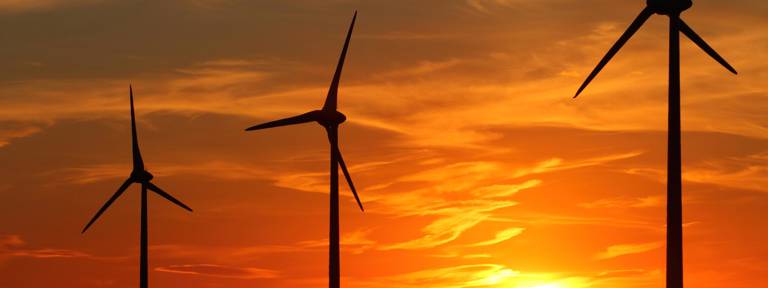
143 177
330 118
673 9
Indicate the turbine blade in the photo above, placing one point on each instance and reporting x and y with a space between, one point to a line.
303 118
639 21
346 175
114 197
349 180
330 100
688 31
160 192
138 163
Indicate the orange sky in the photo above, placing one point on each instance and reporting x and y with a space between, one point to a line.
476 167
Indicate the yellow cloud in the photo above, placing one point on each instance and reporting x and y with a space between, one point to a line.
500 237
627 249
503 190
219 271
441 231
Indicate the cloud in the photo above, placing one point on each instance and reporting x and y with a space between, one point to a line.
501 236
213 270
627 249
504 190
625 202
215 169
16 6
487 6
623 273
408 35
557 164
14 246
11 241
424 67
453 220
478 275
750 172
357 242
230 253
743 172
441 231
8 133
48 253
561 219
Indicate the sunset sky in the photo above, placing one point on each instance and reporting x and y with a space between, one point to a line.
475 166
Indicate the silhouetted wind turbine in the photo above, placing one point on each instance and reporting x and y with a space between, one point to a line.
673 9
330 118
143 177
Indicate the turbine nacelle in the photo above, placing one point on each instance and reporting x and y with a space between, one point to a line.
669 7
138 175
328 118
141 176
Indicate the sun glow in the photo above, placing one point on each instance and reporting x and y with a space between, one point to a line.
552 285
496 278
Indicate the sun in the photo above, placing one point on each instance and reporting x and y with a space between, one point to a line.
564 283
552 285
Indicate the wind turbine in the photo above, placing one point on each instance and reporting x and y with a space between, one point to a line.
329 117
672 9
143 177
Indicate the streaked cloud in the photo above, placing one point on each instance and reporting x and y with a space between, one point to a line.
220 271
215 170
478 275
504 190
442 231
8 133
15 6
501 236
614 251
625 202
14 246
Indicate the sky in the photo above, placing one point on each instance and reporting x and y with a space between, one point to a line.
475 165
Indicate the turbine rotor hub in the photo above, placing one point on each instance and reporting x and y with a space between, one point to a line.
142 176
329 118
669 7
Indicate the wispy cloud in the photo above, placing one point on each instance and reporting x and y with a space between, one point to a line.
504 190
478 275
557 164
488 6
216 170
422 68
14 246
6 134
15 6
501 236
357 242
450 224
442 231
614 251
625 202
750 172
220 271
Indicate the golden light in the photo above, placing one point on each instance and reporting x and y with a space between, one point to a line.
553 285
